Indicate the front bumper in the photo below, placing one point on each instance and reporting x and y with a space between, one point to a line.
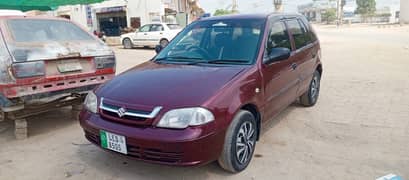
187 147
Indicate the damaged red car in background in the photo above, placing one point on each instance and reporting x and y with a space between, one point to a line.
47 63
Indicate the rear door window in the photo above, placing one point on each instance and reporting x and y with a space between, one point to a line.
145 28
299 32
156 27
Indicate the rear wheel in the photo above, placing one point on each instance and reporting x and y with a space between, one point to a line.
127 43
239 142
310 97
163 42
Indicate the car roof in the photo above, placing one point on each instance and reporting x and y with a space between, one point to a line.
158 23
7 12
252 16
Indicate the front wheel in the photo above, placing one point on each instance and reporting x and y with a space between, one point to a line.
239 143
310 97
127 43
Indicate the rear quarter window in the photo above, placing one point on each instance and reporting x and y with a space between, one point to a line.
174 26
43 30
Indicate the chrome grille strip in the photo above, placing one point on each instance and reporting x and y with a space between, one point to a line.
153 114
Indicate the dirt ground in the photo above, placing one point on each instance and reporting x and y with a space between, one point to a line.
358 130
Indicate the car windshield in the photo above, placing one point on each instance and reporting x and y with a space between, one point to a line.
44 30
215 41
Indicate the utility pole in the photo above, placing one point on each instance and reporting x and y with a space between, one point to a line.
234 6
339 12
278 4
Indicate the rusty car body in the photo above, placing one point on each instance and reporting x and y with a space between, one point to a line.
47 63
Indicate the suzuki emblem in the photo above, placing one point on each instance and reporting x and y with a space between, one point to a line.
121 112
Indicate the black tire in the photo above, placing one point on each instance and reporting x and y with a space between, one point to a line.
230 159
127 43
310 97
163 42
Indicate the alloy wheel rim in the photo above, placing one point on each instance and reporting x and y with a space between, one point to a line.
127 44
163 43
245 142
314 87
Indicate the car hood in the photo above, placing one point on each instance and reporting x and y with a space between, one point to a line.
167 85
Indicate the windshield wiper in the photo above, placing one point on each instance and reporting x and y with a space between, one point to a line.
182 59
176 57
226 61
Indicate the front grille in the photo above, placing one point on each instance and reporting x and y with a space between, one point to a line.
154 154
116 116
92 137
138 152
125 114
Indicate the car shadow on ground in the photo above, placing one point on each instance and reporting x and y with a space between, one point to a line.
117 165
138 48
40 124
279 118
114 164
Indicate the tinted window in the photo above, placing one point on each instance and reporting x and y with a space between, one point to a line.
39 30
145 28
157 27
299 33
313 37
278 37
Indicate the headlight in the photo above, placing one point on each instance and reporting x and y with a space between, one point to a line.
91 102
182 118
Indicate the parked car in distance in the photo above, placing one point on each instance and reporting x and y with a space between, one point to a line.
151 35
207 95
42 68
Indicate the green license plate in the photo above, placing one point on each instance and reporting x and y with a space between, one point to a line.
113 142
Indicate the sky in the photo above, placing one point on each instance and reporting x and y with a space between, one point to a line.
261 6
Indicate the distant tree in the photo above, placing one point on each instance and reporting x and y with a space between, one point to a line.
366 8
220 12
329 16
343 3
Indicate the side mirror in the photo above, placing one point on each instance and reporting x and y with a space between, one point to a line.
136 30
277 54
158 49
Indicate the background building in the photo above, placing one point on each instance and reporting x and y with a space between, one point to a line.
313 11
404 11
114 16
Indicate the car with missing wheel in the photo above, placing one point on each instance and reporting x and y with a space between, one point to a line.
206 96
42 68
150 35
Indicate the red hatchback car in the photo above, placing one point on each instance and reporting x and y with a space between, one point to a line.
206 95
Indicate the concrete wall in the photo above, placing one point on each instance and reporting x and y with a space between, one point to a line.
404 11
147 10
78 13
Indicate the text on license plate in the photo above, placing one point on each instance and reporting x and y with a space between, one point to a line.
69 66
113 142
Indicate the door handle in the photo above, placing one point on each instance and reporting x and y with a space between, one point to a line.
145 34
294 66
